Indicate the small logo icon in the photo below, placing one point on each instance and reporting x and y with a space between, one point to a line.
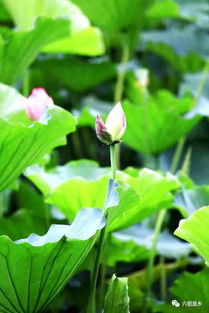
175 303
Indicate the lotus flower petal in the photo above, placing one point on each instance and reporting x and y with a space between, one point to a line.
37 103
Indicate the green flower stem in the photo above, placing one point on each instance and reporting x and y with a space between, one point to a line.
202 81
102 278
91 308
113 160
177 155
152 254
119 87
163 291
122 71
92 297
187 162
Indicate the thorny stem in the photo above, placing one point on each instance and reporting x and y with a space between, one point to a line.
92 297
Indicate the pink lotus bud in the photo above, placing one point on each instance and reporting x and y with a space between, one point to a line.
38 103
115 126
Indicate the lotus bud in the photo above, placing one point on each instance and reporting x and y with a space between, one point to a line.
142 76
114 128
38 103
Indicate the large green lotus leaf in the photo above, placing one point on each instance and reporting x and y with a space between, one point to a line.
26 221
139 196
194 229
114 15
87 41
133 244
24 143
152 119
12 104
82 39
154 189
119 248
62 188
23 223
74 186
72 73
137 283
117 299
172 248
163 9
25 13
29 198
127 211
35 269
148 182
34 216
186 50
49 181
4 16
192 199
196 11
81 184
77 193
128 206
190 62
183 42
21 48
191 299
190 81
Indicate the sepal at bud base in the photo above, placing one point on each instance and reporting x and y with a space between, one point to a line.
101 131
